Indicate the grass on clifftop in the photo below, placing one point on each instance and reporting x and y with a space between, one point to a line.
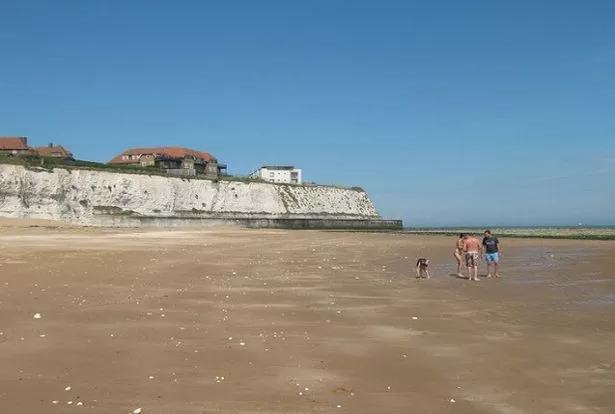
49 163
36 162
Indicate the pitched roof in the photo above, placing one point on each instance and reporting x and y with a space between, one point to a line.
171 152
55 150
14 143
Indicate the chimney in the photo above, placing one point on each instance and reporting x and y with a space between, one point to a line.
50 145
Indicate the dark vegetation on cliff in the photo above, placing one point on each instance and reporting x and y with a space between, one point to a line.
49 163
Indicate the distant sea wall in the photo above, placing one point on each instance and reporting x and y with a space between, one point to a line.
102 198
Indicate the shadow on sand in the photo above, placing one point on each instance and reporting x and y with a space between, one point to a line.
465 277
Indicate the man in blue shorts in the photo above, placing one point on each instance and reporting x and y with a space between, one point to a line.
492 253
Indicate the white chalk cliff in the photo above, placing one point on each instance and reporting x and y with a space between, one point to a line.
87 197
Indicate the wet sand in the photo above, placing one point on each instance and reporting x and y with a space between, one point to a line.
263 321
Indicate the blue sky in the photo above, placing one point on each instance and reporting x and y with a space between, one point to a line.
446 112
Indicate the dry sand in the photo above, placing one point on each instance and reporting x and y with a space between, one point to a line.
258 321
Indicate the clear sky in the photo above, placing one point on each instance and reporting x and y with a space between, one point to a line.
446 112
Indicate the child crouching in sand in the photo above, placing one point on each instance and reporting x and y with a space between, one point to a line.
421 268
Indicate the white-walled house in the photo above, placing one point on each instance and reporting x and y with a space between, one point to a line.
278 174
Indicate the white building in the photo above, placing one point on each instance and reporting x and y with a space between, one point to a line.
278 174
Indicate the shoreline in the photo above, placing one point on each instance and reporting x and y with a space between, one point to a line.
556 236
604 233
548 233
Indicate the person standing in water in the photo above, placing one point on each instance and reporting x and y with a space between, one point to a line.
492 253
472 249
459 254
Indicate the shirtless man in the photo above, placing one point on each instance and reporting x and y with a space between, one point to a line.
472 249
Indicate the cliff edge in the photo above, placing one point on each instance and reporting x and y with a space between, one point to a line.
118 199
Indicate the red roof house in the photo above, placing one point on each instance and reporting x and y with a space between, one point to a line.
135 156
175 160
57 151
14 145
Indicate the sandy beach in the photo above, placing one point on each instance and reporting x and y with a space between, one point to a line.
262 321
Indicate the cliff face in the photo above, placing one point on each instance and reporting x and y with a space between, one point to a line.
91 197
